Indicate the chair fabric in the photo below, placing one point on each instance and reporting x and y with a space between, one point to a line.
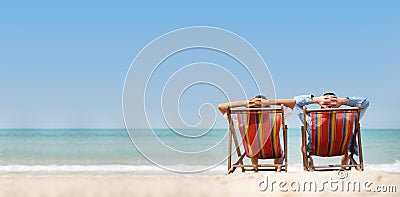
331 132
260 133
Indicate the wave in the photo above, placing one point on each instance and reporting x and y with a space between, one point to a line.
391 168
149 169
394 167
99 169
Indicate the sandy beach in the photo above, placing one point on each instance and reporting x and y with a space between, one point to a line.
248 184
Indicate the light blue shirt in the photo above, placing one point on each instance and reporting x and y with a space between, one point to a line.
304 100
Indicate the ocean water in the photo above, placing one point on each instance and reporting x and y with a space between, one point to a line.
112 150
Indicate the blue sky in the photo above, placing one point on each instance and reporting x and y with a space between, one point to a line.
63 64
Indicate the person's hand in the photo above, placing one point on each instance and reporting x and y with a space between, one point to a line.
257 102
324 101
333 101
254 103
329 101
337 101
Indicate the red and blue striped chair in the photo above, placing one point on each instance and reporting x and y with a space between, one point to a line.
331 133
259 129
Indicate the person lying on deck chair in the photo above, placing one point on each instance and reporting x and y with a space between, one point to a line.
328 100
257 102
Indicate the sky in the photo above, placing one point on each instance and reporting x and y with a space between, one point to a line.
63 64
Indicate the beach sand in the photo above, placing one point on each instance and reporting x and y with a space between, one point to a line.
236 184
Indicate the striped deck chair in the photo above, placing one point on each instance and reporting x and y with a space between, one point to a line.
259 129
331 133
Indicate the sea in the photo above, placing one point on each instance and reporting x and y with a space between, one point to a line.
157 151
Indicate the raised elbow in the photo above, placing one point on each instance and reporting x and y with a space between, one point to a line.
365 104
222 108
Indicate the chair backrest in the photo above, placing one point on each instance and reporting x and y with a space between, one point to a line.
259 128
331 130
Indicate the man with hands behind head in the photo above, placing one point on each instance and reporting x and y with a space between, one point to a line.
258 102
328 100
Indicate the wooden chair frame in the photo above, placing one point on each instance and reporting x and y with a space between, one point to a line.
232 135
356 136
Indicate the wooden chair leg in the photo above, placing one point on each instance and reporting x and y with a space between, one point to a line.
240 160
229 151
304 149
310 164
285 146
360 157
281 160
235 140
305 159
231 131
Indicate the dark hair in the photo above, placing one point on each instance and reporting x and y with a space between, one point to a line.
261 96
329 93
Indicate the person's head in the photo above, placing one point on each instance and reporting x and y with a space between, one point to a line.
261 96
329 94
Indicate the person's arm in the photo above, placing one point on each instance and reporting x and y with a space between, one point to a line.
303 100
223 107
354 102
286 102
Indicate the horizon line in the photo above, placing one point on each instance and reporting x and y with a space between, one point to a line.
145 128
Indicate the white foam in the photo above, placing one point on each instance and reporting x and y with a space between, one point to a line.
150 169
97 169
298 167
394 167
76 168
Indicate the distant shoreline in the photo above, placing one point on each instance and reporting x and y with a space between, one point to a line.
89 128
